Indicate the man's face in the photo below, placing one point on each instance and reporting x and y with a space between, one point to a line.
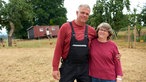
83 14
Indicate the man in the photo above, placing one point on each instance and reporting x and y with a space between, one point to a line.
72 47
48 33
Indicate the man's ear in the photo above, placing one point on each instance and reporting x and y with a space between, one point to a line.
77 12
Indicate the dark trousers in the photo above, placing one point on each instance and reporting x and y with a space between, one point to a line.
101 80
71 72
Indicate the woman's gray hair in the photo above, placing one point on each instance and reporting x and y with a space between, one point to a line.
107 27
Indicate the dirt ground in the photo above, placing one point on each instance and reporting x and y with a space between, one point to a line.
34 64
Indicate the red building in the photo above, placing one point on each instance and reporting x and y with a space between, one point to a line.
40 31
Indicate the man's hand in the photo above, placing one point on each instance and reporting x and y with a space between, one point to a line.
56 75
118 56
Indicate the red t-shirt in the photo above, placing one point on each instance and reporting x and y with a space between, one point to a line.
63 40
103 62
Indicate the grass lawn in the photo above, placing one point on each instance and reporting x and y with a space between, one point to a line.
30 61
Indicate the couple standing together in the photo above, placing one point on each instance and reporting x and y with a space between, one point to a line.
86 54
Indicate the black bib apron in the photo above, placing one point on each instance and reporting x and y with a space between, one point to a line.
75 66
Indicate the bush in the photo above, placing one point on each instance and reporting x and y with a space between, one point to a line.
138 39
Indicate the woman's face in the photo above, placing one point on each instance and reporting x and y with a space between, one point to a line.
103 33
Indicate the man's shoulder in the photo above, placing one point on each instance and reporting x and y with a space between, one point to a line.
65 25
91 28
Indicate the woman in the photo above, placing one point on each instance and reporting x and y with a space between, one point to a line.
104 65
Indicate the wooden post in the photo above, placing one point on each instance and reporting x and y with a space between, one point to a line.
134 32
129 38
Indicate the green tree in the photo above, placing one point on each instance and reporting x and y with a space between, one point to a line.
110 11
46 12
96 18
143 13
13 13
49 12
137 21
2 21
21 32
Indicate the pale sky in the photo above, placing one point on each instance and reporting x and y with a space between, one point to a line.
72 5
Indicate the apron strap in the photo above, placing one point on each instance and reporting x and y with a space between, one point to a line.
85 33
73 32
